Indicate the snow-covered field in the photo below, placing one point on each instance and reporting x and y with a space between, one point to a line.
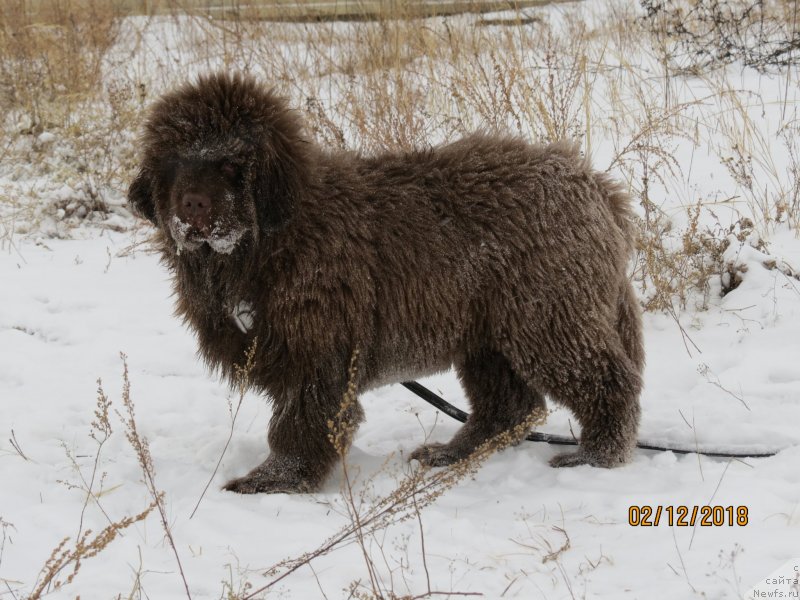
723 378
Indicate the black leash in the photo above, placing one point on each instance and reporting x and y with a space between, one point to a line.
459 415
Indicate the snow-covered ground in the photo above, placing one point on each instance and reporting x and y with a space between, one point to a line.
70 307
723 378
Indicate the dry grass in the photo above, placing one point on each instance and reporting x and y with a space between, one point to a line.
141 447
52 57
75 77
303 10
65 560
63 564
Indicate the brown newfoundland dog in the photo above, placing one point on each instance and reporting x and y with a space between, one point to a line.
502 258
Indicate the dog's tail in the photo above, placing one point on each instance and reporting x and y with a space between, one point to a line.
619 201
614 193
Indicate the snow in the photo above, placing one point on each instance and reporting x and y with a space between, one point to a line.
220 241
70 307
724 378
224 243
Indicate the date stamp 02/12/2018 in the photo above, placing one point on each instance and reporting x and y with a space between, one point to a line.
687 516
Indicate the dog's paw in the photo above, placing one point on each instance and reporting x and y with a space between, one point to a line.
570 459
273 476
435 455
258 484
582 457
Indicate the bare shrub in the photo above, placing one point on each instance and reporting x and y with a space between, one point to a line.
676 266
761 33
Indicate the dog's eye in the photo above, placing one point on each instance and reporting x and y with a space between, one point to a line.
229 169
167 170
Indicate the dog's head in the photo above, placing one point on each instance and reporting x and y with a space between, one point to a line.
222 159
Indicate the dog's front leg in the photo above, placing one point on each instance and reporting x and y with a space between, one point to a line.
308 432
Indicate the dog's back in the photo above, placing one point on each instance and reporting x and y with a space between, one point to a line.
465 243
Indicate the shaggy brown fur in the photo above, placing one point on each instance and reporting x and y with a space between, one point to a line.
502 258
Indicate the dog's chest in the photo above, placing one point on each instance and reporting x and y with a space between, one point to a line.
243 315
215 299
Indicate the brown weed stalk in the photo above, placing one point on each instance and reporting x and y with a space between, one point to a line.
142 449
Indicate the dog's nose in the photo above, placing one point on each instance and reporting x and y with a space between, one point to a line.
196 209
196 204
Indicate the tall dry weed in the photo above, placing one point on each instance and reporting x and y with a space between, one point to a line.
51 55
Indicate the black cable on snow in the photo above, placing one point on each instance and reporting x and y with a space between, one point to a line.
459 415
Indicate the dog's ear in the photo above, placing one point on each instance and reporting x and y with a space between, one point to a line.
140 195
281 172
277 186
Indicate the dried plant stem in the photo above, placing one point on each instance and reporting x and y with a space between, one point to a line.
242 383
16 446
142 448
418 514
85 547
100 433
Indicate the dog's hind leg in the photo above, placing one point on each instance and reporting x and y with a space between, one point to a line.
603 387
629 325
600 384
500 400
